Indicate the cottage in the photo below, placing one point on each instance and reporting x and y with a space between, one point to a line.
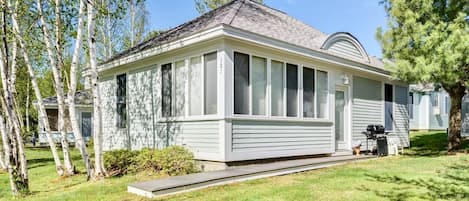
84 111
245 82
428 107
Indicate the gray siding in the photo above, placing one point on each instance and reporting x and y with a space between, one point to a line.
113 137
367 106
140 109
196 136
146 128
347 49
401 116
265 136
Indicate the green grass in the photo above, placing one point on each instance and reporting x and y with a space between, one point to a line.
424 173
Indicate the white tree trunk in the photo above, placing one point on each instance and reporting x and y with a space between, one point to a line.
79 141
99 170
108 32
28 98
2 152
59 89
8 156
9 110
132 23
37 92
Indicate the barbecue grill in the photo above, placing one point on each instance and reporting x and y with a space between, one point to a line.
377 132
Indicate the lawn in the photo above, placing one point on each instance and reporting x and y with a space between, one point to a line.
424 173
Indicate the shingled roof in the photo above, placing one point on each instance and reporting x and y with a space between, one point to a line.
81 98
245 15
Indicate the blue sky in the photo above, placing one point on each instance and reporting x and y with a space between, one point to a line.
359 17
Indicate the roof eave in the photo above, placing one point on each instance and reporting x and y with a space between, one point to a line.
224 30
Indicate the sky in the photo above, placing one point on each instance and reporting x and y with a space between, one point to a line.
361 18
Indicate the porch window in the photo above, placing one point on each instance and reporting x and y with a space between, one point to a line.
241 83
308 92
259 85
210 81
180 88
166 89
322 93
292 90
388 107
195 86
121 104
277 88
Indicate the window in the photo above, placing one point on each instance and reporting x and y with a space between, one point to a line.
210 81
195 86
241 83
277 88
259 85
166 89
388 107
180 88
436 100
121 100
322 93
308 92
292 90
447 105
411 105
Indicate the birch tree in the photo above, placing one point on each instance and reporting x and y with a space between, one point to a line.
20 172
79 140
8 156
2 152
56 63
41 109
99 170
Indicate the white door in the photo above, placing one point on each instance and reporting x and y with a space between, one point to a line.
341 118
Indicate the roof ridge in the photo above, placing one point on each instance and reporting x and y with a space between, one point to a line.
237 11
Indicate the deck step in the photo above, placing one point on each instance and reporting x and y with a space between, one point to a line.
185 183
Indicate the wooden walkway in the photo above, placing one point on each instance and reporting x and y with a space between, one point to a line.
180 184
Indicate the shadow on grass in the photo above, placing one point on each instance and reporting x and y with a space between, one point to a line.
452 183
430 144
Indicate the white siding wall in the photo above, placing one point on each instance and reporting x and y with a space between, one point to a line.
367 106
255 139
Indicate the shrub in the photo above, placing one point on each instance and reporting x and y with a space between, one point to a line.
148 159
176 160
119 162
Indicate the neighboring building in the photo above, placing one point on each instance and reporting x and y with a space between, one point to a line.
245 82
84 109
428 108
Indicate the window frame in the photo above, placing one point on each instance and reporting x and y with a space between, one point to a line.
119 123
393 106
187 59
300 66
172 110
411 105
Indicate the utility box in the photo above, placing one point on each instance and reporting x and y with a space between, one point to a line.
382 145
